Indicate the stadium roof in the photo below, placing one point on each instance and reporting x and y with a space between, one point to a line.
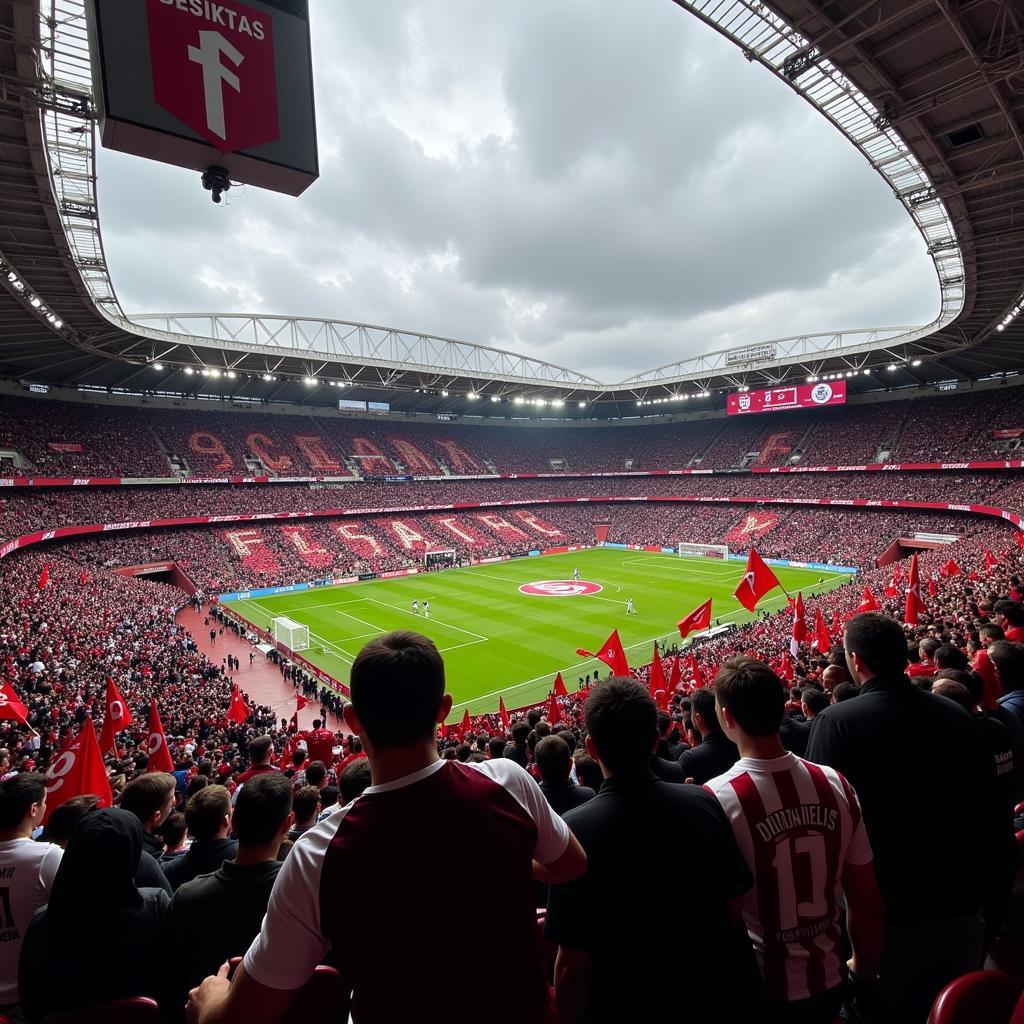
931 93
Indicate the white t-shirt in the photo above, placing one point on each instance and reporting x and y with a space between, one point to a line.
26 875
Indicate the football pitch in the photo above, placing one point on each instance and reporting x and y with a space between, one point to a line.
498 640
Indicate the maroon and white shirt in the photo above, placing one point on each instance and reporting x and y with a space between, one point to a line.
798 825
378 879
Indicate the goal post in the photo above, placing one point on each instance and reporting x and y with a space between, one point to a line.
719 551
294 635
439 558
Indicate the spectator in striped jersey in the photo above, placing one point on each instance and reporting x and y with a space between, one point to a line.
800 829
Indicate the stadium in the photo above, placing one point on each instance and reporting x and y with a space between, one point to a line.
208 521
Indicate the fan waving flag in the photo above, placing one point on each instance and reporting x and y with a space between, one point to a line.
11 706
160 759
554 712
867 602
560 690
674 676
990 560
465 725
239 711
693 665
506 722
77 770
914 607
116 718
300 702
611 654
799 624
757 581
822 640
657 680
44 576
950 568
699 618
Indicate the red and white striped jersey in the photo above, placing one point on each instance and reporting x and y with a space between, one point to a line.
798 825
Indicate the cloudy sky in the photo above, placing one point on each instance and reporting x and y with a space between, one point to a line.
605 184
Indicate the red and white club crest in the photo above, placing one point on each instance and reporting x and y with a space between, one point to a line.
560 588
154 743
56 772
213 69
117 711
745 402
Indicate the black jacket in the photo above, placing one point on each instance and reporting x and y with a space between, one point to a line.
713 756
201 859
927 786
564 796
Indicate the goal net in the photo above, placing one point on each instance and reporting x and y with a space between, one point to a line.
704 551
439 559
294 635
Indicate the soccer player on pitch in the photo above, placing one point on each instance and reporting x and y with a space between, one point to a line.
630 610
575 574
426 609
415 607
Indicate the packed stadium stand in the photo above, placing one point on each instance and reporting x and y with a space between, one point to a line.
822 800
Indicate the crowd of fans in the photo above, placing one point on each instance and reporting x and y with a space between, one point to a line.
134 442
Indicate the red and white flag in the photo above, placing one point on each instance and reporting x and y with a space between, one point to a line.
757 580
554 712
867 602
611 653
559 688
506 722
697 675
116 717
990 560
239 711
11 706
799 624
822 640
914 607
160 759
657 680
699 618
44 576
76 771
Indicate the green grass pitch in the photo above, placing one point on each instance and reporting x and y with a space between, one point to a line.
498 641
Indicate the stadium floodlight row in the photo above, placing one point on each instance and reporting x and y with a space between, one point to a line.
895 140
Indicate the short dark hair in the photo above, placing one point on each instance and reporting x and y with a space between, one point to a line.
845 691
397 684
991 630
304 802
147 793
753 694
205 811
17 795
259 748
1008 658
354 779
553 758
814 698
263 804
1011 609
521 732
316 772
948 656
329 796
496 746
172 829
63 819
954 691
878 641
703 703
622 720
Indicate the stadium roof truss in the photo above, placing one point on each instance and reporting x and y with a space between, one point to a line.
933 97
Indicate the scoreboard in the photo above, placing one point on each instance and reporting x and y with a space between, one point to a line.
799 396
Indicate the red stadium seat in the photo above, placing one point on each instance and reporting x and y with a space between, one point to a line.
325 988
981 997
138 1010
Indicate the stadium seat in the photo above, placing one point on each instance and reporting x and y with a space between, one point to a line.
138 1010
981 997
324 989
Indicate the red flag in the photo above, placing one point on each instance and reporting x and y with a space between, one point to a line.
657 680
914 606
560 686
300 702
506 722
799 618
286 753
674 676
951 568
990 560
44 576
867 602
76 771
974 577
84 578
699 618
757 581
933 586
11 706
698 677
159 756
239 711
465 724
611 654
554 712
787 672
837 627
116 717
822 640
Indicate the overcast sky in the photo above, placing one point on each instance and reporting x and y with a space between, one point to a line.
605 184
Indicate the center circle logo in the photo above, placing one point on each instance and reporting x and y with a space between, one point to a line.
560 588
821 394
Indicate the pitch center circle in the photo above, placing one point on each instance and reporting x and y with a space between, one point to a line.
560 588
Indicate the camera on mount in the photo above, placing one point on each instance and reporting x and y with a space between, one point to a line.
216 181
